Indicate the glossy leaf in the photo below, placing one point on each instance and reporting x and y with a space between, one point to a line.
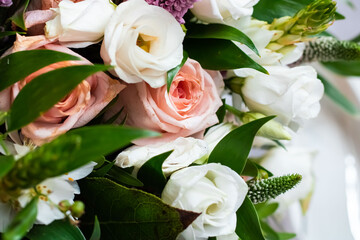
339 16
6 164
234 148
221 112
264 210
345 68
45 91
10 64
133 214
120 176
18 17
172 72
96 234
335 95
248 224
151 173
22 221
219 54
286 236
219 31
9 33
253 169
57 230
269 233
101 172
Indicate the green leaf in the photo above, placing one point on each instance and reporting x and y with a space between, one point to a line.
356 39
6 164
219 54
219 31
22 221
286 236
10 64
266 209
248 224
96 234
172 72
18 17
335 95
45 91
269 233
345 68
9 33
339 16
221 112
234 148
101 172
133 214
151 173
120 176
57 230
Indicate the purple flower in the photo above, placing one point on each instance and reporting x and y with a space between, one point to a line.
177 8
5 3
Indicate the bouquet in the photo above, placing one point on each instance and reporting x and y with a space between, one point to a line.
161 119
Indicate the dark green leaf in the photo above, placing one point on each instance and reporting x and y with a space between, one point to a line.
221 112
346 68
269 233
248 225
219 31
219 54
261 168
286 236
96 234
57 230
250 169
151 173
45 91
266 209
18 17
133 214
10 64
101 172
234 148
9 33
6 164
339 16
120 176
172 72
279 143
335 95
356 39
22 221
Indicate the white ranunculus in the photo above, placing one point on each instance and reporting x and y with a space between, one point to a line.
186 151
213 190
80 24
142 42
214 135
293 94
293 160
217 11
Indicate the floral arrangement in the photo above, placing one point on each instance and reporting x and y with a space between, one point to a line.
160 119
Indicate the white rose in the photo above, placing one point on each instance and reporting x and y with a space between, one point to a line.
186 151
213 190
142 42
217 11
293 94
80 24
293 160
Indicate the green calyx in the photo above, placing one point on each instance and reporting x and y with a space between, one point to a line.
265 189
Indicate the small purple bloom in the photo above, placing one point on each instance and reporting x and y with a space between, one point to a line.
177 8
5 3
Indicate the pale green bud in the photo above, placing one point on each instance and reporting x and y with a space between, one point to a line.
77 209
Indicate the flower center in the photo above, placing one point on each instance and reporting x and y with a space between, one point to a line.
144 42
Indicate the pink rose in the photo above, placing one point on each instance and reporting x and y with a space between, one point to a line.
76 109
189 108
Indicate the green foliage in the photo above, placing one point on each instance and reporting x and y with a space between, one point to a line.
219 54
10 64
221 112
9 33
271 234
340 99
6 164
219 31
234 148
253 169
133 214
96 234
151 173
345 68
172 72
22 221
264 210
40 95
18 17
248 225
57 230
265 189
120 176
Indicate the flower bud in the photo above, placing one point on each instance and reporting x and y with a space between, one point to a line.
77 209
64 206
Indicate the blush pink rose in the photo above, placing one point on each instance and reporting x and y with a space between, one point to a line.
74 110
190 106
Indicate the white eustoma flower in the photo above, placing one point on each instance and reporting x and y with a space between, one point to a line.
213 190
142 42
55 190
186 151
293 160
218 11
80 24
292 94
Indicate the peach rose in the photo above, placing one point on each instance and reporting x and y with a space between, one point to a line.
190 106
74 110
